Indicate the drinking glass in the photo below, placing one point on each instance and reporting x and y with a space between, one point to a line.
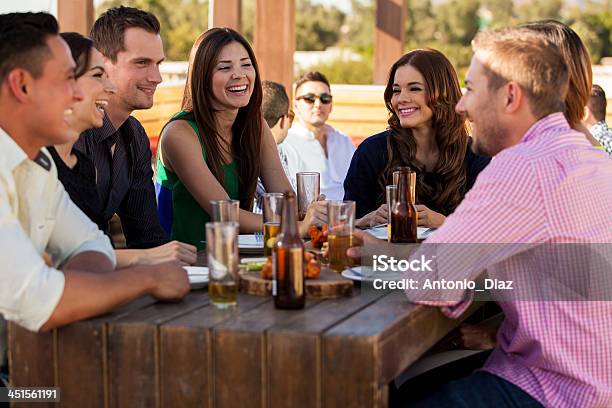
223 260
391 190
308 190
272 211
225 210
341 216
412 179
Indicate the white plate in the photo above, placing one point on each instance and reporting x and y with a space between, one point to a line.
381 232
359 273
198 276
247 243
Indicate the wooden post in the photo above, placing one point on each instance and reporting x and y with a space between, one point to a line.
275 40
75 15
388 36
224 13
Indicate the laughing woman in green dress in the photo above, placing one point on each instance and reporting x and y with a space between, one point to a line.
218 145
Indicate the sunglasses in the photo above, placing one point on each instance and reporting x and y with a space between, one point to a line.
311 98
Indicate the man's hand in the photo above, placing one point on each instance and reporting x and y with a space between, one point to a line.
174 251
428 218
360 239
374 218
170 282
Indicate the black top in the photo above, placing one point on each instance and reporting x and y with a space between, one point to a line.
369 161
125 180
80 184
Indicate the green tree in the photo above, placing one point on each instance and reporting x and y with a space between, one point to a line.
501 12
317 26
539 10
182 21
358 31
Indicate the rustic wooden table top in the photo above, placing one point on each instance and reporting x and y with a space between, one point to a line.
334 353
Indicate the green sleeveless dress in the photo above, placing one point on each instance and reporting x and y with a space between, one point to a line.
188 218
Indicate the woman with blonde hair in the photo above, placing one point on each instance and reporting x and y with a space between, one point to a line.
578 61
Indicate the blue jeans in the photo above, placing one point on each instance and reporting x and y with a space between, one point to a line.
478 390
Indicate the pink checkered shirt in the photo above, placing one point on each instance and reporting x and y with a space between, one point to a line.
552 187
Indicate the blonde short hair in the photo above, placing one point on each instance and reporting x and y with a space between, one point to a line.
521 55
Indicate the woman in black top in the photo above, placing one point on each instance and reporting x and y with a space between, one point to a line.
76 171
426 134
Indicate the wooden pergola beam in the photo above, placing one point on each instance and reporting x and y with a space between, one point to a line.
388 36
75 15
275 40
224 13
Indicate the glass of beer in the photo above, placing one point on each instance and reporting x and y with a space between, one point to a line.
308 190
411 179
272 211
225 210
391 190
341 216
223 260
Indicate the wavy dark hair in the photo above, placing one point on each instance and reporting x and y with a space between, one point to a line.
578 61
443 189
247 129
80 48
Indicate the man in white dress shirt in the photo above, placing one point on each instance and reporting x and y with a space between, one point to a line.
55 263
313 145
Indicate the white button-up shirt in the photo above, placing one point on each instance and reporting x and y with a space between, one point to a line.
37 215
305 153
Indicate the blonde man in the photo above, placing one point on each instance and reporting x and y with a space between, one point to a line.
544 188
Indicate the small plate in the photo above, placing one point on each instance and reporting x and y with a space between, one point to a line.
361 274
380 232
198 276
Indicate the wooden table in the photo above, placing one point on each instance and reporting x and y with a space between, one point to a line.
334 353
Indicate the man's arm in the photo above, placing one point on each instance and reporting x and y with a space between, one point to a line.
498 217
87 294
89 261
138 210
76 242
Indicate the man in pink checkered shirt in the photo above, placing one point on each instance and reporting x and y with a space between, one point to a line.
544 185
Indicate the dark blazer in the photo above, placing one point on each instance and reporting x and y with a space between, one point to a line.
125 180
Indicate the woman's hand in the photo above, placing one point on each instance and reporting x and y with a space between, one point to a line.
374 218
316 214
428 218
174 251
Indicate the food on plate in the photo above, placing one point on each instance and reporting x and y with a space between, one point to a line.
317 235
312 267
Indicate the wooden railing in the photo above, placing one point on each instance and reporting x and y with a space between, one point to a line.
358 111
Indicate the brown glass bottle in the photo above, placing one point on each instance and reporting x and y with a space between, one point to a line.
403 213
288 286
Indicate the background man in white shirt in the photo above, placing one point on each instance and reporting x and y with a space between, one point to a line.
313 145
37 218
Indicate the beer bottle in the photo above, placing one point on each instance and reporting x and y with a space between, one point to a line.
403 213
288 286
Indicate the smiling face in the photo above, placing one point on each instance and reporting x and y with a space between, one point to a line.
312 114
136 71
97 91
233 78
409 99
53 95
479 106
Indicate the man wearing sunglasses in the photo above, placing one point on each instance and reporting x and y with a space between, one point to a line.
313 145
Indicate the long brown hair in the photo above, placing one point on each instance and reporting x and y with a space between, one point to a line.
578 61
442 190
247 130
